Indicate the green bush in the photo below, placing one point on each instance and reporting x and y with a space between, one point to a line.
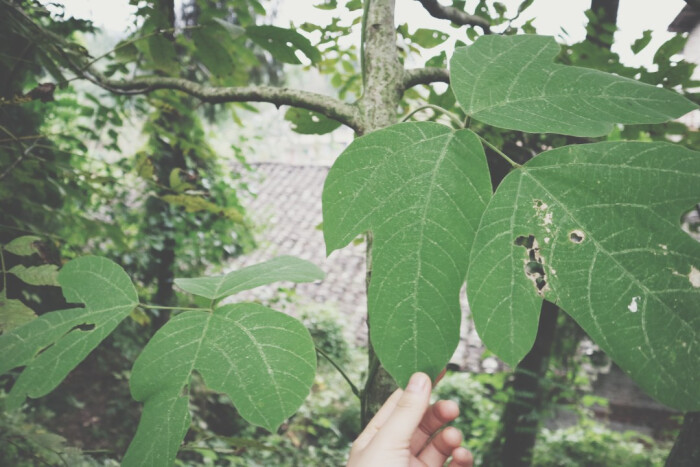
590 444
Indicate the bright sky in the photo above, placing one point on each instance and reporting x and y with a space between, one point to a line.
635 16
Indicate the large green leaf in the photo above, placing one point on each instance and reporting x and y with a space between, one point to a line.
282 268
283 43
262 359
53 344
596 229
421 189
511 82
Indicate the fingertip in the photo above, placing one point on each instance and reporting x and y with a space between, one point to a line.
447 410
462 457
418 382
452 437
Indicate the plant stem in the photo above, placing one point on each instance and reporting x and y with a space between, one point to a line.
159 307
500 153
340 370
4 273
436 108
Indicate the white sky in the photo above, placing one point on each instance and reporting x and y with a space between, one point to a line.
635 16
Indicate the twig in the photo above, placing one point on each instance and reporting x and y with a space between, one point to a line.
425 75
436 108
353 388
500 153
455 15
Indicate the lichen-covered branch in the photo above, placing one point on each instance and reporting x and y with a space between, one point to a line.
427 75
80 63
437 10
335 109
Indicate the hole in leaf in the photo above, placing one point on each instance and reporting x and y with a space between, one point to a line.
83 327
534 263
526 242
44 349
577 236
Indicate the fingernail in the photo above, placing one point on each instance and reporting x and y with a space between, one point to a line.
417 383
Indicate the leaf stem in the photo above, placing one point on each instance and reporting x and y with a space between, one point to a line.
436 108
500 153
4 272
340 370
159 307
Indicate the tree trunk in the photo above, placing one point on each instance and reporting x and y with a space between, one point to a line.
382 75
686 449
520 421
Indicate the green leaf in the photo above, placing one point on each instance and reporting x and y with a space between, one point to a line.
13 313
420 188
642 42
307 122
283 43
511 82
282 268
53 344
210 49
46 274
428 38
234 31
23 246
262 359
162 53
595 228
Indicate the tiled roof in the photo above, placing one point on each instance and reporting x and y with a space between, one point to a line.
287 211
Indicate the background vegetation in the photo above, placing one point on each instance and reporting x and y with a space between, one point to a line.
172 208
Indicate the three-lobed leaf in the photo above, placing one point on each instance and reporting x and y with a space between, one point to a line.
511 82
52 345
282 268
262 359
595 228
420 188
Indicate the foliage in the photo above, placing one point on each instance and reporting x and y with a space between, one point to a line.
50 346
591 444
562 199
432 182
419 188
26 444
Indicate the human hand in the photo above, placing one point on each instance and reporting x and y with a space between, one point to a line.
398 433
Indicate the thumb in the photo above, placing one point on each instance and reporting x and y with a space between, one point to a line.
404 420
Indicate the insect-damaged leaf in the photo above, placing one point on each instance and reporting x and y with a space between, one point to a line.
282 268
421 189
53 344
511 82
262 359
596 229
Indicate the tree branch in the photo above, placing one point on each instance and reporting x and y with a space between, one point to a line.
83 66
427 75
345 113
437 10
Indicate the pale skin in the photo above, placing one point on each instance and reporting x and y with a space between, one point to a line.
408 432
